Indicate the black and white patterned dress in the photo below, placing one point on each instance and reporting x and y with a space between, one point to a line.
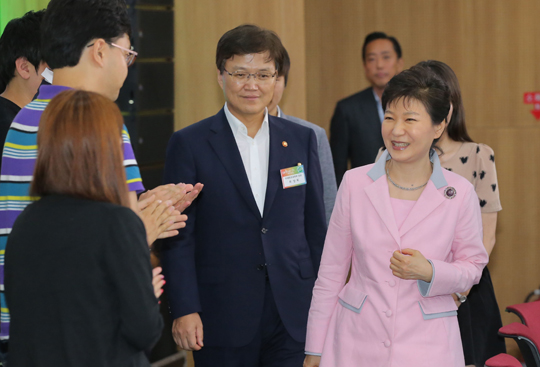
476 162
479 317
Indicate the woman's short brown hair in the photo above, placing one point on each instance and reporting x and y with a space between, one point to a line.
80 149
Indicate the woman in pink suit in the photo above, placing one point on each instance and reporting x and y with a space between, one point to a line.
411 233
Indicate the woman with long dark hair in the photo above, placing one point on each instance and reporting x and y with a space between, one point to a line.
79 282
478 314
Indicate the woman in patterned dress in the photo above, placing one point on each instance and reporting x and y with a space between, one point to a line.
479 317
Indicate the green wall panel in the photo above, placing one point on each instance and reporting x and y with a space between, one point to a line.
10 9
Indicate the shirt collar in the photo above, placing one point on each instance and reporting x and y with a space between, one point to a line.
379 105
237 125
50 91
279 113
376 96
437 177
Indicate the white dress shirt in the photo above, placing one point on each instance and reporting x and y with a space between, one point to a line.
255 153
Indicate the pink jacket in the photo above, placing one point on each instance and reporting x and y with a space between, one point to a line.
377 319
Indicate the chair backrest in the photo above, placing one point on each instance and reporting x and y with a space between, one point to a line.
503 360
529 313
528 340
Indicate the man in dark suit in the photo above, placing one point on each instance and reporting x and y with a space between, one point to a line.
245 265
355 130
325 154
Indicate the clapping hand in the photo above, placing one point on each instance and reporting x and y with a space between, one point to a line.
161 208
181 195
160 218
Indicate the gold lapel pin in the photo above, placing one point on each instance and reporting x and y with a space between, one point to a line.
285 144
299 163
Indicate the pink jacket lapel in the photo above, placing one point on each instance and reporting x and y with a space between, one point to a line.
379 196
377 193
428 201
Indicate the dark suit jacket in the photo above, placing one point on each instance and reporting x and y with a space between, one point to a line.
355 132
215 266
79 286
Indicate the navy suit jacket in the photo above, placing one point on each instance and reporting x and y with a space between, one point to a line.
216 265
355 132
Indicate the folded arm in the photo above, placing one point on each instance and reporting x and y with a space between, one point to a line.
469 254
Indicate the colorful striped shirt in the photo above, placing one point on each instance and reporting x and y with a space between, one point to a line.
18 160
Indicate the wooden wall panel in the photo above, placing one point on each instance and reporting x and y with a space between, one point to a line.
199 25
491 45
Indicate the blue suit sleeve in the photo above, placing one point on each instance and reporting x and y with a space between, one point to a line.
328 175
178 253
339 142
314 214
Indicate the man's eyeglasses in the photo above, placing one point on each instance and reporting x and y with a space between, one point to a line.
130 54
262 77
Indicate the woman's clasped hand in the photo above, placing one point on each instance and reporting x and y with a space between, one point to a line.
411 264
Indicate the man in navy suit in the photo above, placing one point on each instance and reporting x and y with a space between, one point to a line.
355 130
245 265
325 154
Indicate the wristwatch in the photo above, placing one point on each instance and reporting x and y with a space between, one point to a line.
461 297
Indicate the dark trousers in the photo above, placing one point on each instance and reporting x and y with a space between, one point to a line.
479 322
3 352
271 347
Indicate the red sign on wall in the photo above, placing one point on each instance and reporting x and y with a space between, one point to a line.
534 99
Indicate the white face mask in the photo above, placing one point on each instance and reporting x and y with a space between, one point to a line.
48 75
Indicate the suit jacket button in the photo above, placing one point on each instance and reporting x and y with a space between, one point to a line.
264 230
387 343
260 267
388 313
392 283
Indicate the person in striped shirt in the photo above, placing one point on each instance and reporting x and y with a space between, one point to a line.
21 66
86 44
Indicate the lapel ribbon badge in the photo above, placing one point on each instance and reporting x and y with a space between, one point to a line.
450 192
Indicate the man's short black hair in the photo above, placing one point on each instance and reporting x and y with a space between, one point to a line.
21 38
249 39
70 25
378 36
